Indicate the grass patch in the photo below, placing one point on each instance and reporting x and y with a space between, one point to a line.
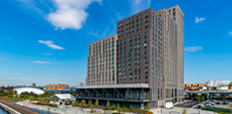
216 109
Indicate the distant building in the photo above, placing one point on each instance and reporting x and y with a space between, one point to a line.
81 84
58 88
215 83
194 85
33 84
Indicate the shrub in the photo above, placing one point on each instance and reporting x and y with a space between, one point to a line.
83 102
91 110
184 111
106 108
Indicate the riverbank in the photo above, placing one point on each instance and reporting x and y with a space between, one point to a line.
58 110
14 109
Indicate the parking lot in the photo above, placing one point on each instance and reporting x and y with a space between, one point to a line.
188 104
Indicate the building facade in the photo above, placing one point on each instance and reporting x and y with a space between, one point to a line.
101 62
195 85
215 83
150 50
58 88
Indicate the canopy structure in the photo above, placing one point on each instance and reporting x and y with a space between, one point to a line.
28 89
62 97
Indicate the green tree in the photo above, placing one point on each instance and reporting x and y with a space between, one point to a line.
124 108
148 107
118 108
131 109
114 107
83 102
230 85
184 111
198 99
89 103
74 102
96 102
108 103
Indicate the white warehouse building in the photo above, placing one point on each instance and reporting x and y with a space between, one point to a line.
29 89
215 83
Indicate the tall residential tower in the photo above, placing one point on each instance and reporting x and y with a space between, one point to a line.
101 62
150 50
143 63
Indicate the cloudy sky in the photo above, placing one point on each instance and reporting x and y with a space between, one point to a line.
46 41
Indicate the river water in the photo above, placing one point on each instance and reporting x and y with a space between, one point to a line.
2 111
32 109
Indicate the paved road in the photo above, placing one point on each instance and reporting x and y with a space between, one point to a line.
188 104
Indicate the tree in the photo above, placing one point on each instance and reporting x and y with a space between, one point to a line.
131 109
148 107
89 103
83 102
74 102
108 103
114 107
124 108
118 108
230 85
96 102
184 111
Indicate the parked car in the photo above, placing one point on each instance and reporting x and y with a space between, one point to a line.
225 102
208 103
218 102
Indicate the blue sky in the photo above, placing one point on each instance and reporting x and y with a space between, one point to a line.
45 41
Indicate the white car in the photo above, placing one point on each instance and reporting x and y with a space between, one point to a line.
168 105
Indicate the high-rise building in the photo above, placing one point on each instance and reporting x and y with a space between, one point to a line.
101 62
146 56
150 50
33 84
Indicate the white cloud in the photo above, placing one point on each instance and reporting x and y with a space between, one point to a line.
70 13
198 20
50 44
193 49
139 5
47 54
230 33
2 59
41 62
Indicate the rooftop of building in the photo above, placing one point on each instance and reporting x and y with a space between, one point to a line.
102 39
176 6
117 86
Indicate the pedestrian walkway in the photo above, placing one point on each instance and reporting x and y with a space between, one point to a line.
179 110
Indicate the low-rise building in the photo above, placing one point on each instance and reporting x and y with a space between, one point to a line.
215 83
194 85
58 88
